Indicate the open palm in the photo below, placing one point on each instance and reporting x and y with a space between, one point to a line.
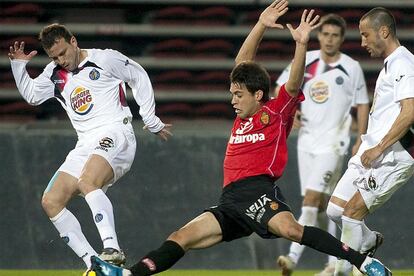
308 23
17 52
272 13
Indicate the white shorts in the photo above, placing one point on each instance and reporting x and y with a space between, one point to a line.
319 172
116 143
376 184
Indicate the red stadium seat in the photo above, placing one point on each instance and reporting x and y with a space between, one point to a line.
176 15
273 50
218 110
352 17
249 18
212 80
213 48
174 79
174 110
31 43
214 16
170 48
21 13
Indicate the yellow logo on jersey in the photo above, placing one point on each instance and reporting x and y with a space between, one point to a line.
319 92
81 100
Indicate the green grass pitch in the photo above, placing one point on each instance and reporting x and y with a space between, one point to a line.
181 273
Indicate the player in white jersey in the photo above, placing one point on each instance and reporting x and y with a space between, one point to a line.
333 83
90 86
384 161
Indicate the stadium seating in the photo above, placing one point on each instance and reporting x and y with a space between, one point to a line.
21 13
184 46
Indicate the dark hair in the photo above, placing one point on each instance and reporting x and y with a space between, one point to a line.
333 19
379 17
51 33
253 76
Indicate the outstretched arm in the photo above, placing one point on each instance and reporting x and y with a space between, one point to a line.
301 36
266 20
34 91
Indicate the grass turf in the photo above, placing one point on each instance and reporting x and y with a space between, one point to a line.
181 273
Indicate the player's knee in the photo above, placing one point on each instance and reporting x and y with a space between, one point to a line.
85 185
180 238
49 204
312 199
334 212
292 231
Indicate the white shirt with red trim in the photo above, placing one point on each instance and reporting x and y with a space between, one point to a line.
330 91
94 94
395 83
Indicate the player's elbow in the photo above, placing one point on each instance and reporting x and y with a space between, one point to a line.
292 88
33 100
237 60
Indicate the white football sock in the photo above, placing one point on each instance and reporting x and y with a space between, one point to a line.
307 217
369 237
325 223
331 230
351 236
103 216
335 212
70 231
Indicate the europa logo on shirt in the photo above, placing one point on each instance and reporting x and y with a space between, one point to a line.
241 137
81 100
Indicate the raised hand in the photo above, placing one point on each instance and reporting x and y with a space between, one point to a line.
272 13
308 23
17 52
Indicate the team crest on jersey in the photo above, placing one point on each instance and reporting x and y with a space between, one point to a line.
369 184
339 80
264 118
319 92
94 74
327 177
274 205
372 183
81 100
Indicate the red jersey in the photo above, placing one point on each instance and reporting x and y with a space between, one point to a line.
257 144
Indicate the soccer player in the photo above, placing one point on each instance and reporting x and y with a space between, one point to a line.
333 83
90 86
255 157
384 161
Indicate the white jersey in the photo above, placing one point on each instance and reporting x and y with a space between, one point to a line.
330 90
94 94
395 83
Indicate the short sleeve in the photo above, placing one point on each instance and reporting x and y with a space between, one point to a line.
285 104
359 87
403 79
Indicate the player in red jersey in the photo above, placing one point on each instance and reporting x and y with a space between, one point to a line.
256 156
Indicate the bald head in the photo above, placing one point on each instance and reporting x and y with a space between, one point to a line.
380 17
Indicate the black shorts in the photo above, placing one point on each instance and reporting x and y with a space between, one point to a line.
246 206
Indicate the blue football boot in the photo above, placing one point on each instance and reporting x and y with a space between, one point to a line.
376 268
102 268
